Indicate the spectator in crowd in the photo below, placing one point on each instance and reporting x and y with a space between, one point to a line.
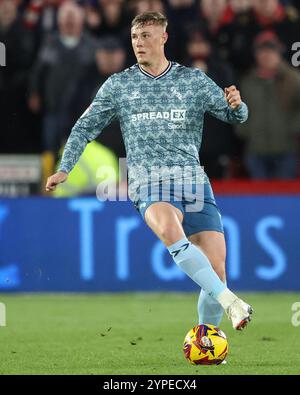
234 39
181 3
13 79
33 31
40 18
284 21
63 59
272 92
296 4
97 164
218 139
110 57
41 14
240 6
107 17
110 18
181 15
92 167
140 6
181 11
215 14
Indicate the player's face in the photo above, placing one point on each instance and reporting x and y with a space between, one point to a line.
148 43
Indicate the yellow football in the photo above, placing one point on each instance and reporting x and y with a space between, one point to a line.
205 345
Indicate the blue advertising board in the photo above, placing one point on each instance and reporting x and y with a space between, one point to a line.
82 245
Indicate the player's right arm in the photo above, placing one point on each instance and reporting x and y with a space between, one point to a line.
88 127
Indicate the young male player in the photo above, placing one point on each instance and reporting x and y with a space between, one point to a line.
160 105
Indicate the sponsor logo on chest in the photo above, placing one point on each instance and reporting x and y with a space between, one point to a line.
175 115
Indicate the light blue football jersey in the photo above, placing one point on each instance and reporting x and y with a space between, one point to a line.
161 120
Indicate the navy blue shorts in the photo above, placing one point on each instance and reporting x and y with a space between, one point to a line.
198 215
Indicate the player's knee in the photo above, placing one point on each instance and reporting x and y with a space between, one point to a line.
170 234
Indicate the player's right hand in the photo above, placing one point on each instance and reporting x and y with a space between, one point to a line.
56 179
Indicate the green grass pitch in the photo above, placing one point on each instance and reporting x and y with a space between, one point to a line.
139 333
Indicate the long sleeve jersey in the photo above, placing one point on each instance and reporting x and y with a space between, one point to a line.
161 119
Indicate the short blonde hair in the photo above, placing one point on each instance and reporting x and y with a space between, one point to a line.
150 18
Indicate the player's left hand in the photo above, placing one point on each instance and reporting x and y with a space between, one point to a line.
233 96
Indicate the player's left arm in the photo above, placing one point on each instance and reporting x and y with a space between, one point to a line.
225 105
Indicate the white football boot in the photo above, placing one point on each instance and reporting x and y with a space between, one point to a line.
239 313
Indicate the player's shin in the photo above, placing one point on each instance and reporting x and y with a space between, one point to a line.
197 266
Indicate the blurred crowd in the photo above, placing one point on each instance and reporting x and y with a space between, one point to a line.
59 52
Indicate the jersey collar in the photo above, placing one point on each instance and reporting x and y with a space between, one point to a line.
156 77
